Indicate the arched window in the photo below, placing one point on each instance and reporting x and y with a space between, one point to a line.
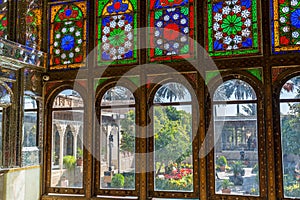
117 141
285 25
117 34
290 137
3 18
232 27
67 48
172 141
67 118
172 29
236 139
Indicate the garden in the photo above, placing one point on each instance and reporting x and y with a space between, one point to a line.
237 177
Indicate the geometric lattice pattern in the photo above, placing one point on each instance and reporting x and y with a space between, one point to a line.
172 29
68 36
116 32
286 25
232 27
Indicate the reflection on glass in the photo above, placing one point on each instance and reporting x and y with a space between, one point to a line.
172 92
173 160
5 95
235 136
68 99
117 95
117 140
290 142
234 89
30 129
67 146
30 151
117 148
236 154
290 90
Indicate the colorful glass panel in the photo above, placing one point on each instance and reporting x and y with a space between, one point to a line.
68 36
33 25
3 18
285 17
117 25
30 22
172 29
232 27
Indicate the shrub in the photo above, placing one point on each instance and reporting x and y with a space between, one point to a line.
183 184
292 190
226 183
69 161
129 182
117 181
221 161
237 168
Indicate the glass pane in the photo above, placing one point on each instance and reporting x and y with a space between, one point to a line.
67 38
172 92
67 166
173 158
236 154
67 147
1 139
117 96
117 34
232 27
233 90
117 148
5 95
285 25
290 140
290 90
172 29
68 99
30 151
3 18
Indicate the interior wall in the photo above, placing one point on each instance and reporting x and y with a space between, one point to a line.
20 184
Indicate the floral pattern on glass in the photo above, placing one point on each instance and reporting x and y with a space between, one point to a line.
117 37
68 36
33 25
172 29
232 27
286 25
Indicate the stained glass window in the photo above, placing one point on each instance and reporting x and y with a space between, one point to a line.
117 25
232 27
68 35
3 18
33 24
286 25
172 29
30 22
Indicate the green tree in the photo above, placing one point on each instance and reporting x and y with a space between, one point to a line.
172 134
128 133
290 130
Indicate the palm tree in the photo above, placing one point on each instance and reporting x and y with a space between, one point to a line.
171 92
234 90
118 93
